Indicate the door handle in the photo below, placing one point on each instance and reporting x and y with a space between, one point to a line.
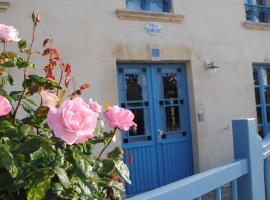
160 134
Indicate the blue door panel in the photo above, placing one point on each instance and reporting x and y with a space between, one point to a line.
174 168
143 170
161 145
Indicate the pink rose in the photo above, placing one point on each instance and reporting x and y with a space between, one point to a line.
48 98
5 106
73 122
8 34
95 106
119 118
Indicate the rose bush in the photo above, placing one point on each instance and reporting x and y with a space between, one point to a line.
119 118
5 106
47 153
8 34
73 122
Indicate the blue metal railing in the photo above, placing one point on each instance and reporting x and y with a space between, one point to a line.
248 174
257 13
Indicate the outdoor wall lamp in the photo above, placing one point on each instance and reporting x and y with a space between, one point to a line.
210 65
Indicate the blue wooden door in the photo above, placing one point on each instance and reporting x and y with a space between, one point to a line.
161 144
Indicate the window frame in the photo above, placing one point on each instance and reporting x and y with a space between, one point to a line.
263 104
256 12
167 6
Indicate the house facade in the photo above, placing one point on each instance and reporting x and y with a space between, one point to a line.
185 68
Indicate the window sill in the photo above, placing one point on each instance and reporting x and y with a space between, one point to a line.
149 16
4 5
256 25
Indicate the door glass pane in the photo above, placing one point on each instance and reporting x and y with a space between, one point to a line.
145 85
170 85
172 118
260 2
266 76
156 5
134 4
133 87
267 95
268 113
259 115
257 96
256 77
139 120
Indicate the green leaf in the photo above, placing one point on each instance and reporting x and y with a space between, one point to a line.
83 165
25 130
32 65
122 170
10 63
30 146
42 111
63 177
36 77
11 80
27 108
38 190
116 154
11 99
10 133
107 166
22 45
15 95
5 124
5 180
84 186
30 101
7 161
21 63
117 185
5 76
34 82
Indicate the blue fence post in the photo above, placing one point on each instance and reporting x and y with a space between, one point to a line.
267 177
247 144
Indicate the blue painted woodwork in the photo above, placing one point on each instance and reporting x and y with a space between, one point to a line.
247 144
161 146
245 173
218 194
149 5
234 193
257 13
199 184
261 74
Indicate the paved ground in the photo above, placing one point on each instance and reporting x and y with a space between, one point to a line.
226 194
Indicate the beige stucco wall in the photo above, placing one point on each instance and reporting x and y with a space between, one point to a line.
92 39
